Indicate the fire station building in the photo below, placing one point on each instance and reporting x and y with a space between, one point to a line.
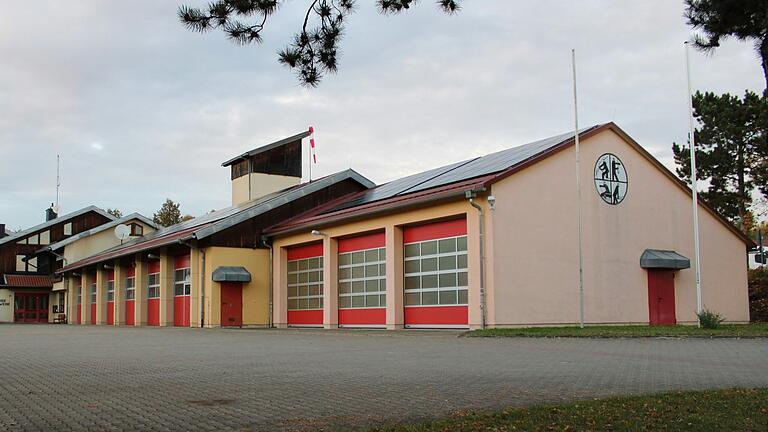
490 241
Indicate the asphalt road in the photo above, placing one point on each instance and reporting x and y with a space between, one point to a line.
57 377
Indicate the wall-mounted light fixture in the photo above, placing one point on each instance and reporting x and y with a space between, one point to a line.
153 256
319 233
492 202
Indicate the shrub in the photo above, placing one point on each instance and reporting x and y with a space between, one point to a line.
758 295
709 319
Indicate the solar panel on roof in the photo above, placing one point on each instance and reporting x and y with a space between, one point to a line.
396 187
456 172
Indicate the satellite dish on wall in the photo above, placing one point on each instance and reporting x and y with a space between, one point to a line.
56 209
122 231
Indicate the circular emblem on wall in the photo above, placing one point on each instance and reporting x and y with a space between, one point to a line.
611 179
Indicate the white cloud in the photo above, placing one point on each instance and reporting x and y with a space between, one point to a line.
413 91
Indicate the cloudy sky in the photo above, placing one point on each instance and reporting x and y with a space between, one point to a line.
141 109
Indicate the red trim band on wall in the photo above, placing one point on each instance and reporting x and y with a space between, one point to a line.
305 317
438 315
362 242
130 272
153 267
308 251
363 317
181 262
111 275
451 228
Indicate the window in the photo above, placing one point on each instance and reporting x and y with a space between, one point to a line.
61 301
137 230
153 285
110 290
24 241
130 288
68 229
79 295
93 293
45 237
32 264
305 284
181 282
33 240
21 265
436 272
362 279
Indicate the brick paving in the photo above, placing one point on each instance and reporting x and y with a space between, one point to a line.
113 379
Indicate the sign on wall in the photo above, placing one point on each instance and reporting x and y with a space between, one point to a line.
611 179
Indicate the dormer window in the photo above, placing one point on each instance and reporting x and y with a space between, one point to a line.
137 230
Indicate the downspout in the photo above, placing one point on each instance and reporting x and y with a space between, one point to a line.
271 257
471 195
202 287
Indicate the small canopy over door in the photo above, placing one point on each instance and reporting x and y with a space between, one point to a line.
231 274
663 259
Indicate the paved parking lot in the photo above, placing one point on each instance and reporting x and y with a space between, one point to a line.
105 378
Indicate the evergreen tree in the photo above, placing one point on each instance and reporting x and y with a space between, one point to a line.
746 20
169 214
730 143
314 50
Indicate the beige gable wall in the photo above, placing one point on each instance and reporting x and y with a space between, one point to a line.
95 243
257 185
535 244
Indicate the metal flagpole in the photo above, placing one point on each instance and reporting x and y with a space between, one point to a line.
578 189
694 185
311 137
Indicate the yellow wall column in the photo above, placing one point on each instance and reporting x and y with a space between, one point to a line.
280 287
72 299
394 243
140 302
474 265
119 296
85 299
194 290
166 290
101 295
330 282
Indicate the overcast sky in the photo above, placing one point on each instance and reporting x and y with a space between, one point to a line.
141 109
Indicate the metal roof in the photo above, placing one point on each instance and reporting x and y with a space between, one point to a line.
254 152
460 171
96 230
211 223
665 259
23 233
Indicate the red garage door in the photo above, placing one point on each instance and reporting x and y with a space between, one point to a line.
130 296
435 267
181 291
305 286
111 297
153 294
362 281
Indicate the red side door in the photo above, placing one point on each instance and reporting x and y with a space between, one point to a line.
231 304
661 297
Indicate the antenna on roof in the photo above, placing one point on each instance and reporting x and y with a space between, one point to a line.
58 183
